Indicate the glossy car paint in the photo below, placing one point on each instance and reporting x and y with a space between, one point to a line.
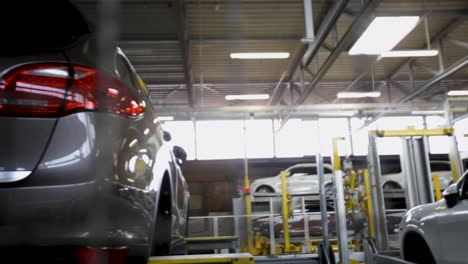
95 176
442 227
297 183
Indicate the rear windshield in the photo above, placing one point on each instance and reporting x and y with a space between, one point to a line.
39 25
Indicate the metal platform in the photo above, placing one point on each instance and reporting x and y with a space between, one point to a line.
241 258
212 243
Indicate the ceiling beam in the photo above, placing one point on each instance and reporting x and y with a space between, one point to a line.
354 31
452 25
305 53
423 88
185 50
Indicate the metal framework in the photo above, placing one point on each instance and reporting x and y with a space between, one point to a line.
185 50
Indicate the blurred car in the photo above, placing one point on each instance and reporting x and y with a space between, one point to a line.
440 168
436 232
303 179
82 159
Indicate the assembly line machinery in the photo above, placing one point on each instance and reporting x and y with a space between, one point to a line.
356 192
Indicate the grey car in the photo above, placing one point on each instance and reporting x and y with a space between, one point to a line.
436 232
83 164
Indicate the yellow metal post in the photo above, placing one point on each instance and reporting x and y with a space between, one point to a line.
370 213
248 212
336 155
435 180
285 207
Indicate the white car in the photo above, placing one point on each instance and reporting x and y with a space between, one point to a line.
437 232
303 179
440 168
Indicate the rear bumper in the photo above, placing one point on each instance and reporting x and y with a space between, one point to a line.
85 214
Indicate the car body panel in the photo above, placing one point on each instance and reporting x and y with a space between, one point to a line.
442 227
298 183
95 176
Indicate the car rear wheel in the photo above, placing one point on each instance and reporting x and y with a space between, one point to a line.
265 189
391 186
163 225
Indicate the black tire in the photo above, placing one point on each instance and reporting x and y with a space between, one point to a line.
161 240
391 185
264 189
416 250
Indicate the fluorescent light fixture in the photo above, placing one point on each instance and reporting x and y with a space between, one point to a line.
260 55
383 34
428 112
409 53
247 97
458 93
165 118
338 113
357 94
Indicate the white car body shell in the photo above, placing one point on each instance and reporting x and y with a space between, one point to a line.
298 183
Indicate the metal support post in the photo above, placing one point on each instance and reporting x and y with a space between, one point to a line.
306 227
370 209
341 218
378 205
323 200
272 230
285 209
437 192
309 21
416 171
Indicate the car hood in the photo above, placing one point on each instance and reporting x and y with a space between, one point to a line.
424 212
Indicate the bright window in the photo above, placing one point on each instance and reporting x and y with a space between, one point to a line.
220 139
182 133
388 146
296 138
440 144
360 137
330 128
461 129
259 138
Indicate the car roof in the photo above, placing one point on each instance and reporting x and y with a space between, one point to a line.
309 165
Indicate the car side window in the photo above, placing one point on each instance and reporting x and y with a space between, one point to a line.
123 71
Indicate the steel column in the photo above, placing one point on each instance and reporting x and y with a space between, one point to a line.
341 218
378 204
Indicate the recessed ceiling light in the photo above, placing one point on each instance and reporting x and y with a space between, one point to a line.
247 97
458 93
383 34
409 53
357 94
260 55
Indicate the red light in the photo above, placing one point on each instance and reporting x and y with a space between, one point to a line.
247 190
88 255
40 90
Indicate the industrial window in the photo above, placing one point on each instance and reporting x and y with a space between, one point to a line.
439 144
330 128
259 138
220 139
461 129
392 146
182 133
296 138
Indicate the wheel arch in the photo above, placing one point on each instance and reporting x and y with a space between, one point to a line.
412 243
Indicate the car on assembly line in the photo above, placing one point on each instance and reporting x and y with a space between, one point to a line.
83 164
302 179
436 232
440 168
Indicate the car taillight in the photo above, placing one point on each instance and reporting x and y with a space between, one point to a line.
45 90
89 255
